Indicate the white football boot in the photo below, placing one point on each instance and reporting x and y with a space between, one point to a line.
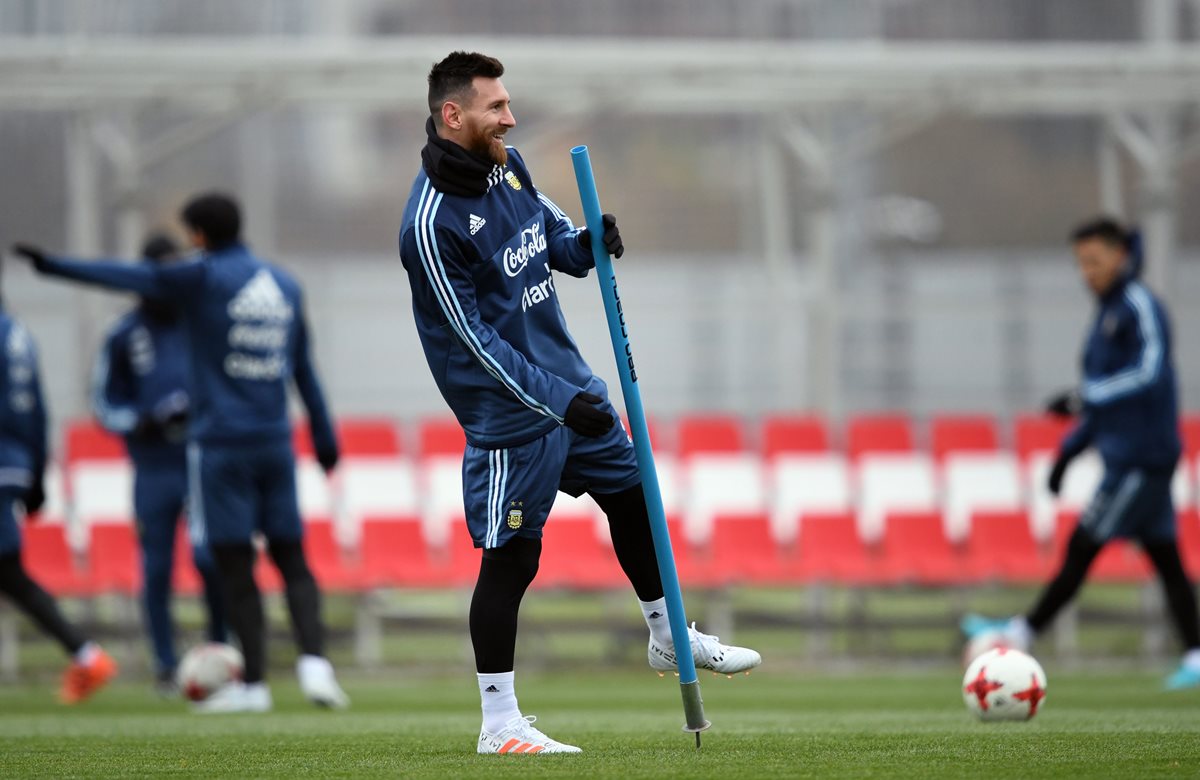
707 652
519 736
236 696
318 683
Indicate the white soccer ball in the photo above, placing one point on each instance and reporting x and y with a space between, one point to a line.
1004 684
983 642
207 667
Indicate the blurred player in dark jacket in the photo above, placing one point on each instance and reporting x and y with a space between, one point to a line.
23 458
247 342
1127 408
139 392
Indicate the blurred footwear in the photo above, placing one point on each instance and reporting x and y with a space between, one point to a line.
319 684
973 625
707 653
165 684
82 679
1183 678
236 696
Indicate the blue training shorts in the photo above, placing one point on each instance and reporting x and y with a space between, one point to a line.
1131 504
236 490
508 492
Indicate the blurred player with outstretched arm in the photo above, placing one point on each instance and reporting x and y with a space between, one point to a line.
247 340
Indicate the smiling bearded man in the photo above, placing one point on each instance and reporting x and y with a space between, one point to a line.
479 243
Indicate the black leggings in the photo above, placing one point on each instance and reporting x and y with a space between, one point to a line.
506 572
504 575
629 526
1181 596
16 583
1082 550
235 562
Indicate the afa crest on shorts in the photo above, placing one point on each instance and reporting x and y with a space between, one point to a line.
516 515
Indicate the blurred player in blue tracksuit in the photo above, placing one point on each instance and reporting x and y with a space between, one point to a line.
23 458
1128 410
481 246
139 392
247 340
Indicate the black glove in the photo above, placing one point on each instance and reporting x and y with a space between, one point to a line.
34 254
35 497
171 416
174 428
328 458
1067 404
147 427
585 419
612 237
1057 471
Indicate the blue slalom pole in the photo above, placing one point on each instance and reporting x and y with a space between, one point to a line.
693 705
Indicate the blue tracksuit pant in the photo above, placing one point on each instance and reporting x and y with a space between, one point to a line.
159 493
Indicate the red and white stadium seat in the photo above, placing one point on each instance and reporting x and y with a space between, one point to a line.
1035 434
962 433
794 434
898 511
576 547
974 482
439 480
711 434
100 492
725 513
802 486
984 508
878 433
893 483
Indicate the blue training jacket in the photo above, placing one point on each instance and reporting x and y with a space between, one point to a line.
22 410
1131 413
142 366
485 305
246 337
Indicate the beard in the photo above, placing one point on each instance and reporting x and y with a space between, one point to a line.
481 142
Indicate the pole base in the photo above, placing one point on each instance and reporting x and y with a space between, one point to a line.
693 710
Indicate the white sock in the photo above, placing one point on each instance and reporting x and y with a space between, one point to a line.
655 613
1020 632
498 696
1191 659
86 654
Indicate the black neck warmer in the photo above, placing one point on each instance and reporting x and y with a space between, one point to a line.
455 171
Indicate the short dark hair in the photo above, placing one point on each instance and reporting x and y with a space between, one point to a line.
451 78
159 247
216 217
1105 229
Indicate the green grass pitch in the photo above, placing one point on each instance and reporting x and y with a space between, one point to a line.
769 724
